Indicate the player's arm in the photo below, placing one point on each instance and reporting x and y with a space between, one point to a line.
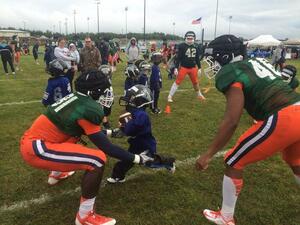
99 139
234 110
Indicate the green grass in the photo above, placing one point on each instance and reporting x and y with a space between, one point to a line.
270 195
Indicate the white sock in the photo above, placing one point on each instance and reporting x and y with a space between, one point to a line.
55 173
86 205
231 190
297 177
173 89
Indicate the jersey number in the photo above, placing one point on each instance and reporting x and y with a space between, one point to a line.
264 69
190 53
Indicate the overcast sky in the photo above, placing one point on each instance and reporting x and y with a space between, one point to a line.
249 18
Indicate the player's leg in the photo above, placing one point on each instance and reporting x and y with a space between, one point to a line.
292 157
122 167
181 74
4 62
193 74
258 143
68 157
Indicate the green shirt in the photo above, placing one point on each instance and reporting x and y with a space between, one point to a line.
264 90
75 106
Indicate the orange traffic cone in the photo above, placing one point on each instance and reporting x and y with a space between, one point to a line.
168 109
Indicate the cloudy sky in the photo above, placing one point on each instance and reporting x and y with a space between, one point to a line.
249 18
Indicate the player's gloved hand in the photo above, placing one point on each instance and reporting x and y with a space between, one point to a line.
199 72
175 71
117 133
142 158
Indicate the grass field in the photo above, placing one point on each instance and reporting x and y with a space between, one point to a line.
270 195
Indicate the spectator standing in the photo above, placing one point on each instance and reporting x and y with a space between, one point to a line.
133 50
75 54
49 54
278 58
155 81
63 53
35 52
90 58
6 53
103 47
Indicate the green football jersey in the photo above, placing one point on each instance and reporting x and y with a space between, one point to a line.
65 113
264 90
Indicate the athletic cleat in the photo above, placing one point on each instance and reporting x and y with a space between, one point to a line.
94 219
170 98
201 97
217 218
112 180
52 179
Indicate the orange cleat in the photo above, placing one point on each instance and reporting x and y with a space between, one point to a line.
52 179
217 218
94 219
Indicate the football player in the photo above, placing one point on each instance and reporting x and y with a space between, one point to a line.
188 62
50 143
255 85
58 85
137 125
132 74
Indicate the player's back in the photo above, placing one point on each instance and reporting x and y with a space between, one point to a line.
264 90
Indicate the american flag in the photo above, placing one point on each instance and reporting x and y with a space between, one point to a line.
197 21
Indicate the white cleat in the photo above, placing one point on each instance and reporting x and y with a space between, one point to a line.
52 180
217 218
170 98
115 180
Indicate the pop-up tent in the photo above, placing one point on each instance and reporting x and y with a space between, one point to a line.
264 41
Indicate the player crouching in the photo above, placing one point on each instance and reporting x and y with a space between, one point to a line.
137 125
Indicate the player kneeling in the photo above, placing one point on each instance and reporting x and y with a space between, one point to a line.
50 143
137 125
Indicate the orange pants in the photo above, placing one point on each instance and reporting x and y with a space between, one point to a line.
183 71
279 133
17 57
62 157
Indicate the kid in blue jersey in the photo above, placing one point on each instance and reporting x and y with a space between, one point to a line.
132 74
58 85
155 81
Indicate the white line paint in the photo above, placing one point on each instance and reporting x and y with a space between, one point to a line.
40 100
44 198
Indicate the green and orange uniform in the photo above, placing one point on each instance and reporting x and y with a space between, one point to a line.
269 100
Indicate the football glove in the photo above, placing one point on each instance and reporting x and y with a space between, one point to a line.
142 158
175 71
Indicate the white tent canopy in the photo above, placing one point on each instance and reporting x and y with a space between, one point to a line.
264 41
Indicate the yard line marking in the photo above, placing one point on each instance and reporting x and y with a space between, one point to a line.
40 100
46 197
16 79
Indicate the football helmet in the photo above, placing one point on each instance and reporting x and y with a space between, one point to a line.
106 71
137 63
288 73
221 51
57 67
137 96
96 84
156 57
145 67
132 71
190 37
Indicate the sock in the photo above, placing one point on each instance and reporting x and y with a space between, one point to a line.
297 177
231 190
199 93
55 173
86 205
173 89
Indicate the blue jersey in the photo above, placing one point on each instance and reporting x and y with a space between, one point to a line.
155 78
143 80
57 88
140 132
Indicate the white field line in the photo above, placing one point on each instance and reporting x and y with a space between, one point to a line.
40 100
46 197
28 79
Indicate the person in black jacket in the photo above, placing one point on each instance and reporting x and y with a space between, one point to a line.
103 47
35 51
6 53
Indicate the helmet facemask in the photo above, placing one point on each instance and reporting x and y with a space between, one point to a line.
213 67
107 98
